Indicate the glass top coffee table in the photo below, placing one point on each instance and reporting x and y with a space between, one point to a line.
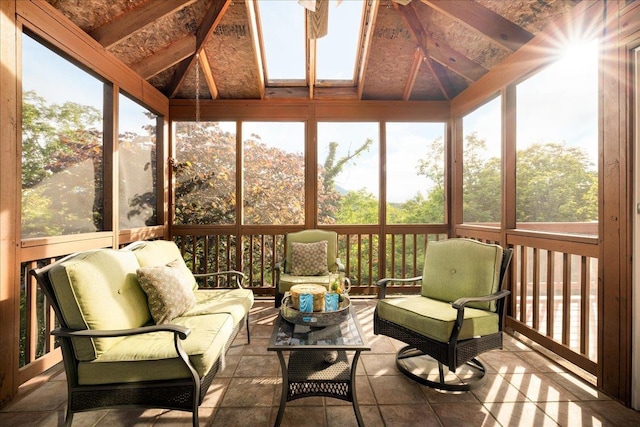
307 373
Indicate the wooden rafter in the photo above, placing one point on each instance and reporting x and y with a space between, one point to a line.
439 50
368 26
484 20
166 57
211 20
252 13
413 74
126 24
207 74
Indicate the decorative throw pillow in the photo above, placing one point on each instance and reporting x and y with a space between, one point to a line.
168 289
309 259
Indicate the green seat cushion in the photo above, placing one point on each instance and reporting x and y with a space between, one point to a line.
458 268
161 252
99 290
287 281
150 357
236 302
435 319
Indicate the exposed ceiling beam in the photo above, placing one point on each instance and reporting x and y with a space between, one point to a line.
484 20
203 60
439 50
413 74
368 26
257 45
208 25
311 64
130 22
165 57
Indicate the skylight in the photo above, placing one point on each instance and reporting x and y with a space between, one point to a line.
283 30
338 50
283 39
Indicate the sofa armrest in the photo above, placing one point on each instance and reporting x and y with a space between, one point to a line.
382 284
181 331
238 275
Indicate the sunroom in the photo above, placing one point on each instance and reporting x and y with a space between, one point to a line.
223 125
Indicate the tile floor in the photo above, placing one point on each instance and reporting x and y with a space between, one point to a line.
524 388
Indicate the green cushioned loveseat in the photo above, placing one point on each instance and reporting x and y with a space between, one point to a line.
114 351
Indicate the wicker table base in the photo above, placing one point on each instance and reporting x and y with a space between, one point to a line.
307 374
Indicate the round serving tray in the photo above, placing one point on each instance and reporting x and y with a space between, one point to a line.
317 318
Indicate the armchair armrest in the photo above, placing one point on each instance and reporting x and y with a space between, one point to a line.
238 275
340 265
462 302
382 283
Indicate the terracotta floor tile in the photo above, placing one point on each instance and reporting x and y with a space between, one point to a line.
537 387
498 389
464 414
242 417
520 414
250 392
395 390
344 416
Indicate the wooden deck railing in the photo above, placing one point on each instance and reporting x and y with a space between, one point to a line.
554 288
553 279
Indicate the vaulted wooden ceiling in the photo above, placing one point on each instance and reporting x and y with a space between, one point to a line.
409 50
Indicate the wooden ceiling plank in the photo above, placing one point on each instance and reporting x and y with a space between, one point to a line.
418 57
439 50
128 23
484 20
211 20
203 59
165 57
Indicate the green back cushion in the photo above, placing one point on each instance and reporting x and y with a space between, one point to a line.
161 252
99 290
458 268
310 236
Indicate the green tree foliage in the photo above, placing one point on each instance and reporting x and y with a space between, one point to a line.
56 137
205 174
481 183
556 183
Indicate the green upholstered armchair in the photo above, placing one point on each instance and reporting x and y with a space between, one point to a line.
458 315
310 257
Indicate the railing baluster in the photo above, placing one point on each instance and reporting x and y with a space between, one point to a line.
523 283
536 289
551 292
584 305
566 298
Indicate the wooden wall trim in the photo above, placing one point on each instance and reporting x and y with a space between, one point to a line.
9 272
291 110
